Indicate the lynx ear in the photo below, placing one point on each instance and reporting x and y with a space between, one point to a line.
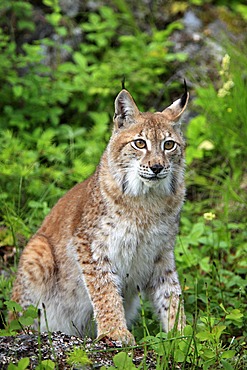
176 109
125 109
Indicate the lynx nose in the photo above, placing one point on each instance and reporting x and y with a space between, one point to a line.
157 168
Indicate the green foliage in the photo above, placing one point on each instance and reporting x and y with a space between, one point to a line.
24 364
226 111
217 136
23 322
212 249
5 291
203 346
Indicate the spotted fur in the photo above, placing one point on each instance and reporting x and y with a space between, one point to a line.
113 235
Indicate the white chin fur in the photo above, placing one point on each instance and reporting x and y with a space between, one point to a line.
137 186
151 183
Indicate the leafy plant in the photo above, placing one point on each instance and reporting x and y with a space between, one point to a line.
217 135
24 320
122 361
78 357
46 365
22 364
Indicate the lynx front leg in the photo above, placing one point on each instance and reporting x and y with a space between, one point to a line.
165 293
105 297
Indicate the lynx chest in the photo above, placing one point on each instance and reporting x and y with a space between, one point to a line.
132 246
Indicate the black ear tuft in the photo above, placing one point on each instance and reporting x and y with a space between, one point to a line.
123 82
176 109
184 96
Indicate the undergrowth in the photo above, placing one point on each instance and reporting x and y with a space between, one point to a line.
54 126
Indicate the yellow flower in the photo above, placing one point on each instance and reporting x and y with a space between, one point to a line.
209 216
206 145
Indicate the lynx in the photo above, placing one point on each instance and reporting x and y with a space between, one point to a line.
112 236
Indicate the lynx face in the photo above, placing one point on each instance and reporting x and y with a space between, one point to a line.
148 149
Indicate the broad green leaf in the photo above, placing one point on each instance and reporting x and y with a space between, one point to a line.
188 330
204 336
13 306
80 60
228 354
179 355
226 365
208 354
235 315
14 325
26 321
48 364
17 89
217 331
23 363
123 362
12 367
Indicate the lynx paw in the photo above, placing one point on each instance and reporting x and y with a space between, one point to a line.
176 319
178 323
173 317
121 335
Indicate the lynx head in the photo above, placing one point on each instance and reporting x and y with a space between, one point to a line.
146 150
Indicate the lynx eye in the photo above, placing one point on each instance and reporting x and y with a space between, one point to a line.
169 145
139 144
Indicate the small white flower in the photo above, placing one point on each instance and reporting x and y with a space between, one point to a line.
225 62
228 85
222 93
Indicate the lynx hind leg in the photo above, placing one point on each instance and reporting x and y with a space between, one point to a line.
35 272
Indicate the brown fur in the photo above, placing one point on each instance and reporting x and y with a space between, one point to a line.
113 234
